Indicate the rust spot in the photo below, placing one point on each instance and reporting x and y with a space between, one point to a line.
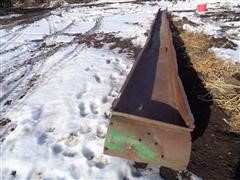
130 147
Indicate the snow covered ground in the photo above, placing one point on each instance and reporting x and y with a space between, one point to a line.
59 76
55 90
222 20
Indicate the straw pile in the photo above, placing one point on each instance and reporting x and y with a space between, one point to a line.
220 77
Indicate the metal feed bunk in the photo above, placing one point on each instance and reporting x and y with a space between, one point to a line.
151 121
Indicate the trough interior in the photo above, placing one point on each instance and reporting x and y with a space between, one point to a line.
136 95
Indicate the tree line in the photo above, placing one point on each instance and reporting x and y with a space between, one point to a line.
10 3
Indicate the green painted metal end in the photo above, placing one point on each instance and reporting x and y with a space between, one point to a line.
143 142
123 142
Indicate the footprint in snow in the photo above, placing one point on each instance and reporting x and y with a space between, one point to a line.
57 148
94 106
69 154
123 70
105 99
107 114
85 89
135 172
87 69
35 174
100 132
42 139
13 173
101 162
84 109
71 140
113 93
87 153
85 129
98 78
114 77
108 61
4 121
128 67
50 129
80 94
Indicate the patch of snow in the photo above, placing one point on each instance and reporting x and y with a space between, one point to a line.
208 28
10 16
189 28
61 123
212 27
228 54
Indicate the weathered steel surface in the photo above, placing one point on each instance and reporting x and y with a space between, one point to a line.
134 138
151 120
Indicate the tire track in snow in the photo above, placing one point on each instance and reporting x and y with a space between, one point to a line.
13 39
96 27
46 53
36 75
16 82
24 88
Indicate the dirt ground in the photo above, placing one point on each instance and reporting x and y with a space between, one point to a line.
27 16
215 150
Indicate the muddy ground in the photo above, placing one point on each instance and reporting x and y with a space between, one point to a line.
215 150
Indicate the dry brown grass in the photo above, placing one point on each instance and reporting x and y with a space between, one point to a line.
216 74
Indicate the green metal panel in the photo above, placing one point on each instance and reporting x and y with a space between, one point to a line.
118 141
144 142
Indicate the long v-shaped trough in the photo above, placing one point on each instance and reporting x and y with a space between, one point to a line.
151 120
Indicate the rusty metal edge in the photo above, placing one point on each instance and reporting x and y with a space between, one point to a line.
151 121
182 165
115 101
176 83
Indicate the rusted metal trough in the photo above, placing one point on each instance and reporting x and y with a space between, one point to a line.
151 121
